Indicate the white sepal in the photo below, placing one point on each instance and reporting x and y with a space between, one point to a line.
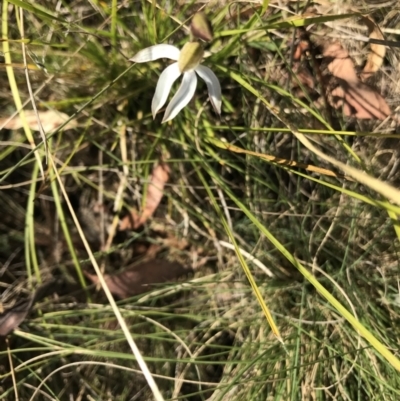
155 52
182 96
164 84
213 86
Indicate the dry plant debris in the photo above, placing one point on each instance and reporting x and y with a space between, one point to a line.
377 52
357 98
141 277
154 194
303 75
344 87
12 317
50 120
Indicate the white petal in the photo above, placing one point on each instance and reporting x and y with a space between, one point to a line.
155 52
182 96
213 86
164 84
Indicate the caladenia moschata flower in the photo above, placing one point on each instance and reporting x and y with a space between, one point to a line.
187 64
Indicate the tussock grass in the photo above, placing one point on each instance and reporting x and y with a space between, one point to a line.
330 242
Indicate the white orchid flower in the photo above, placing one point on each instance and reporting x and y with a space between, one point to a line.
187 63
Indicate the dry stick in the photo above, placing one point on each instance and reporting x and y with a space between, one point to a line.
278 160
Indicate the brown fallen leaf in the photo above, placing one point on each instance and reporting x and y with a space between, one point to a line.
377 52
141 277
305 78
300 49
154 194
341 66
11 318
357 98
360 101
50 119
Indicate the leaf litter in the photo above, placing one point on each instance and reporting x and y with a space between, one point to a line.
12 317
154 194
50 120
355 97
345 89
377 52
141 277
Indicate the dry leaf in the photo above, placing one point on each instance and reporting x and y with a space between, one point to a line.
377 53
14 316
153 198
342 65
50 119
357 98
305 78
141 277
300 49
360 100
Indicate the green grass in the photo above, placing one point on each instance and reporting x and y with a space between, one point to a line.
272 177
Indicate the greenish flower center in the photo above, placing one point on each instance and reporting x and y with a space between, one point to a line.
190 57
